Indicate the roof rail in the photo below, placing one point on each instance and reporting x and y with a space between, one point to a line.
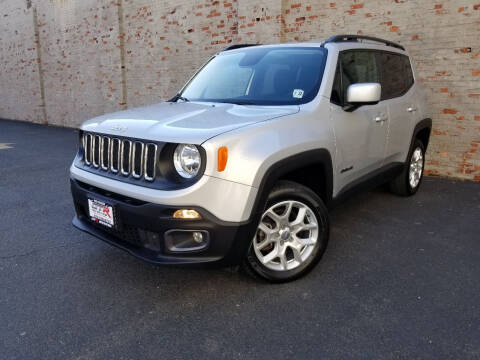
238 46
359 38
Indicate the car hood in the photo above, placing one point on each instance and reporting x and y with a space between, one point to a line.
183 122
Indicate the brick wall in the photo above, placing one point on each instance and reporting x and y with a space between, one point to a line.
20 95
64 61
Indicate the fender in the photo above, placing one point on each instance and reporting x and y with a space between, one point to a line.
276 171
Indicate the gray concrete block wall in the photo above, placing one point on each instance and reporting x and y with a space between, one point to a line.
98 56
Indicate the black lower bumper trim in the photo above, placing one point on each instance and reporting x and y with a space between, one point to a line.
142 225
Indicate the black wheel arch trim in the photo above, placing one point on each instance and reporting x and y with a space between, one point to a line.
272 175
421 125
321 157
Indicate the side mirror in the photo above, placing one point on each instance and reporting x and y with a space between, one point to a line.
363 94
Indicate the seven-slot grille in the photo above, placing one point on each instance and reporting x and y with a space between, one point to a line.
127 157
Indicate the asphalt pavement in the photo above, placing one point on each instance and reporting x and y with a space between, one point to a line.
399 280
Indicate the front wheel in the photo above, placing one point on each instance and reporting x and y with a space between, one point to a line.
292 234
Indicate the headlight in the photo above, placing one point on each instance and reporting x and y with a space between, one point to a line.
187 160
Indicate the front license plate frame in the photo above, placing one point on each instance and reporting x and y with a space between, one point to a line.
101 213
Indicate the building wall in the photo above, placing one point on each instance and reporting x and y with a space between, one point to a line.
64 61
20 95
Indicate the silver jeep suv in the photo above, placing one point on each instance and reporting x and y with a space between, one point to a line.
242 164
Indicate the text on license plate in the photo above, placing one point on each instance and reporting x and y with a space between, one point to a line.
100 212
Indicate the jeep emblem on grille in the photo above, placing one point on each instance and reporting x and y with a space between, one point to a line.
118 128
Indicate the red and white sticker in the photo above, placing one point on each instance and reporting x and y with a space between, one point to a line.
101 213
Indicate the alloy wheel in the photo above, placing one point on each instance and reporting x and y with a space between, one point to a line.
286 236
416 168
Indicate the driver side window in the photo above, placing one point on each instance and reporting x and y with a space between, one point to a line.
357 66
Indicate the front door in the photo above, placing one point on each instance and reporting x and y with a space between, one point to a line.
361 135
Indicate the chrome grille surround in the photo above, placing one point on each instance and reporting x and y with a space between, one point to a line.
96 150
138 147
150 156
105 153
87 146
130 158
126 157
115 155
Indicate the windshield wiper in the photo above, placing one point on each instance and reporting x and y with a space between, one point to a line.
178 97
239 102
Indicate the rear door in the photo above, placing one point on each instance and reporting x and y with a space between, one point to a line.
399 96
360 135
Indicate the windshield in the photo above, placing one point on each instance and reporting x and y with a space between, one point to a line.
260 76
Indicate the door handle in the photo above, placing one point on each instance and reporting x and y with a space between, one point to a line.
411 109
381 118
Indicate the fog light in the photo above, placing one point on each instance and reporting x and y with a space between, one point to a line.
186 240
198 237
186 214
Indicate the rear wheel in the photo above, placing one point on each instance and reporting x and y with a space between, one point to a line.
408 182
292 234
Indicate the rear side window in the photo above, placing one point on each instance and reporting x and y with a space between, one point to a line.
397 75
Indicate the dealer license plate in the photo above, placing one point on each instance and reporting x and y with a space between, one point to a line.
101 213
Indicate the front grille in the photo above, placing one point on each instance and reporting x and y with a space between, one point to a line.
136 159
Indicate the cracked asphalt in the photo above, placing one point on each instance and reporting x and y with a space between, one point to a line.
400 279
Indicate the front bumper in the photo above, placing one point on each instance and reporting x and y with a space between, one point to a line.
142 227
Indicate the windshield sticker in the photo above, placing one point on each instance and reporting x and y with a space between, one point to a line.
298 93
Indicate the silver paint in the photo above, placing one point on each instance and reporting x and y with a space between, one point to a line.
257 137
364 93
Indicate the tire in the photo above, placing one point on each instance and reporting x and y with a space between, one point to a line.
295 227
403 185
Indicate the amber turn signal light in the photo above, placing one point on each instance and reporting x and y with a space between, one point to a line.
186 214
222 158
